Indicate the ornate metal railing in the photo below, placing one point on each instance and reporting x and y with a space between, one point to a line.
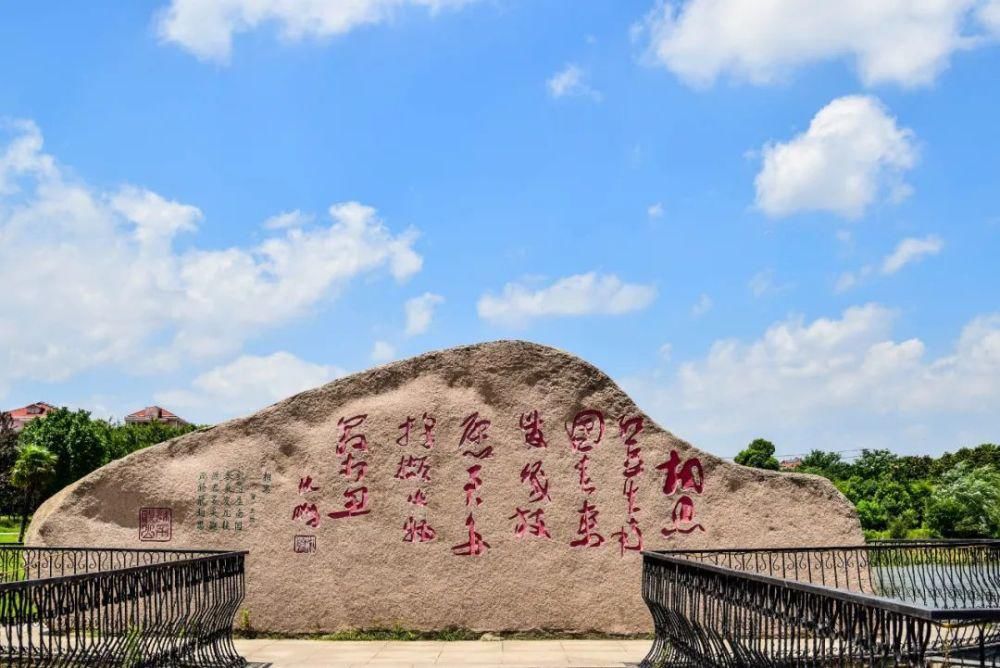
929 603
119 607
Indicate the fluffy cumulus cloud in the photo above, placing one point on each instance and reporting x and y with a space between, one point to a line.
903 42
582 294
834 381
571 81
93 277
852 153
420 312
247 384
206 27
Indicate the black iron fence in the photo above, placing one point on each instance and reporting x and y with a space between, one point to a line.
119 607
929 603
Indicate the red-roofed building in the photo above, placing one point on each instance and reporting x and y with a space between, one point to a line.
25 414
155 414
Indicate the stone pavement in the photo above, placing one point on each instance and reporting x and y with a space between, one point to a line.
419 654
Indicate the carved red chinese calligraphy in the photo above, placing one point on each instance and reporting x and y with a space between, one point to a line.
356 504
427 437
690 475
353 470
413 467
473 547
534 476
348 439
682 476
418 532
417 498
531 425
683 518
529 522
308 512
629 537
306 485
586 430
586 484
471 488
476 432
587 532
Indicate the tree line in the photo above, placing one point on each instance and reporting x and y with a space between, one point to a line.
58 449
956 495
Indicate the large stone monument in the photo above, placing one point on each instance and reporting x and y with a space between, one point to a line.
495 487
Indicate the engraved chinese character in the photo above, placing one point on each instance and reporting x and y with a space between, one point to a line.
308 512
629 537
418 532
413 467
471 488
683 518
356 504
690 475
588 535
475 546
531 425
586 430
305 485
586 484
348 439
530 522
476 432
534 476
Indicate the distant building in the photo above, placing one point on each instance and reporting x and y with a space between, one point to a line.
155 414
25 414
791 464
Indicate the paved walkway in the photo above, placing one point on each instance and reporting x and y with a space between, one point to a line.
419 654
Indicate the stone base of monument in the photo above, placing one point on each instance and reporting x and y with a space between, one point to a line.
497 487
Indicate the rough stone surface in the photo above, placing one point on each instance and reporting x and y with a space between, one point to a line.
363 574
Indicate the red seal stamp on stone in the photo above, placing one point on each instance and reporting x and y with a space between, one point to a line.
155 524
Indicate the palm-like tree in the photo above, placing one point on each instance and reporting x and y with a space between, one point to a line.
33 471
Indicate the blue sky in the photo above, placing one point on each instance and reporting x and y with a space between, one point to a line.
759 222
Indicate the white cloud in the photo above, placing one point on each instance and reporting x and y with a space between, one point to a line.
420 312
582 294
852 153
989 16
571 81
288 219
666 352
247 384
911 250
702 306
904 42
830 382
206 27
92 277
907 251
763 283
655 210
383 351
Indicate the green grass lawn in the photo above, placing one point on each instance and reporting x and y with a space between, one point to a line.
8 537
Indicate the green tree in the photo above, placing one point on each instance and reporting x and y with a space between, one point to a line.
9 494
966 504
77 442
32 473
828 464
759 454
124 439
